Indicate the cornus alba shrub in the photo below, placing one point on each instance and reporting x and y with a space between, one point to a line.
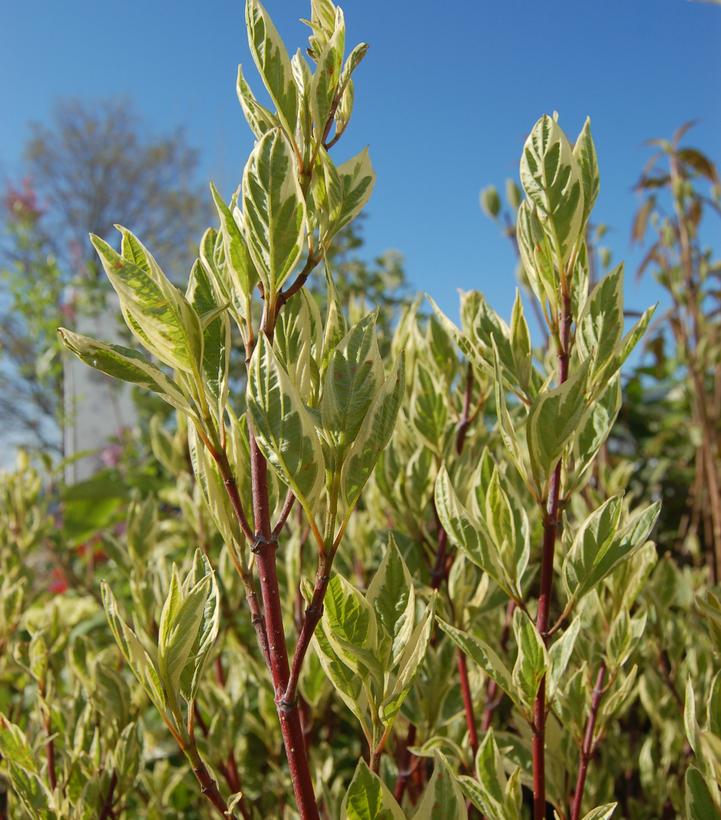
358 587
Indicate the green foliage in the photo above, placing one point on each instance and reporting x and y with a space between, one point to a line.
453 605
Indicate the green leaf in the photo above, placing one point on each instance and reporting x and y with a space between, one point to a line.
14 746
700 805
597 426
258 117
283 426
273 211
521 344
352 380
534 248
368 798
409 662
489 772
600 325
350 625
584 152
216 332
551 178
125 364
137 656
392 596
357 179
429 409
373 435
156 312
467 532
532 660
327 75
604 812
484 656
553 419
559 655
442 798
237 258
599 545
297 342
346 681
273 63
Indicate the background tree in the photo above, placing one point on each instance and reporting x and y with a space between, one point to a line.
85 158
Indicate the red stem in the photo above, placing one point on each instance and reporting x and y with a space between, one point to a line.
404 765
106 812
550 530
588 747
288 714
313 614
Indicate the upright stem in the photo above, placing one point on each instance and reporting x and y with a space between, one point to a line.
404 764
438 575
288 713
550 531
587 747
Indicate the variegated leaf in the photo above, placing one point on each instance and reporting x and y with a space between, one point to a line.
258 117
237 259
585 153
368 798
216 333
156 312
125 364
357 180
273 210
271 58
552 180
373 435
283 426
352 380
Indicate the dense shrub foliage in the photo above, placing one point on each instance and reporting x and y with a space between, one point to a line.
375 569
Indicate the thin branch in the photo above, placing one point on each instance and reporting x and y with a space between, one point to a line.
587 747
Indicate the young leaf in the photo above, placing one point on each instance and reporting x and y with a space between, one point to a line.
273 210
442 798
125 364
532 660
552 420
156 312
368 798
373 435
467 532
604 812
700 805
409 662
352 379
357 180
137 657
599 546
484 656
552 180
237 259
283 426
258 117
350 625
585 153
273 63
392 595
600 324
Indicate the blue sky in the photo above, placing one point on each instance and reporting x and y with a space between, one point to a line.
444 99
